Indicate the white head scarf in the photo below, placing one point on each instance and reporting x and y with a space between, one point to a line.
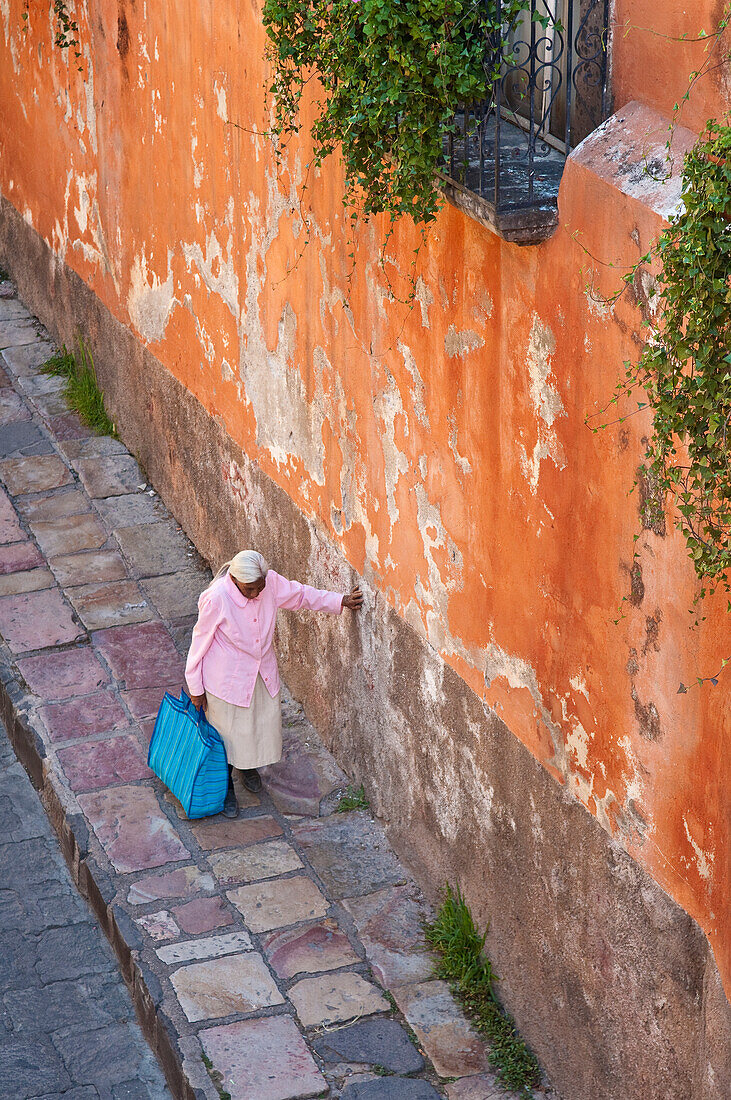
248 566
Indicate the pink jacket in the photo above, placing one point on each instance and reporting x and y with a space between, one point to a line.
232 640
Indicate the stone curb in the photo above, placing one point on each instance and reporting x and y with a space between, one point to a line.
95 886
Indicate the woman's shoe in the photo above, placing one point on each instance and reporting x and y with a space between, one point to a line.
230 804
251 779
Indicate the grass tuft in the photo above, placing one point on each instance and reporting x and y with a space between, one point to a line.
4 276
354 798
81 389
463 963
216 1076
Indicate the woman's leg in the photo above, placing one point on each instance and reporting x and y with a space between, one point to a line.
231 804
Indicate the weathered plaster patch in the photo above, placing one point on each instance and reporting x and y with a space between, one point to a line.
150 301
463 463
460 343
417 389
216 269
425 298
703 860
221 107
546 401
388 407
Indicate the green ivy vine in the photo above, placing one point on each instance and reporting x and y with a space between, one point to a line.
390 75
685 367
66 30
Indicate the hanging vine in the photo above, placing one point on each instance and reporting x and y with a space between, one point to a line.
66 28
685 367
391 74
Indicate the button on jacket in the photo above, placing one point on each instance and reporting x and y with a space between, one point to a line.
232 640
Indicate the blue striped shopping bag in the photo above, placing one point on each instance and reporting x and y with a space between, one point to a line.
189 756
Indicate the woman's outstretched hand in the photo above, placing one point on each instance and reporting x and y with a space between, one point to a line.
354 599
199 701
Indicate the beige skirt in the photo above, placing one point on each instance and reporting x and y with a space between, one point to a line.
252 735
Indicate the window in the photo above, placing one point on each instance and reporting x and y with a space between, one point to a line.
505 164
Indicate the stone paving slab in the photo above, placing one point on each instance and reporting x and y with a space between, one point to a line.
68 1024
250 940
309 949
42 507
63 674
34 474
37 620
224 987
19 557
68 534
88 567
278 903
23 438
389 923
108 476
132 829
349 852
12 407
83 717
118 603
253 864
452 1045
330 998
30 580
264 1060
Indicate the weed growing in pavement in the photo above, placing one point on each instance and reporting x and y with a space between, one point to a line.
4 276
463 963
216 1076
354 798
81 389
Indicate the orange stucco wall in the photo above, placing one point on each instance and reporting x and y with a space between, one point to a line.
442 447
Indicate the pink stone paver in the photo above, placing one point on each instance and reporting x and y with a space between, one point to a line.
182 882
307 950
390 926
10 530
220 987
452 1045
333 998
36 620
132 829
88 567
84 716
68 534
34 474
42 508
115 604
31 580
143 656
480 1087
18 556
102 763
145 702
236 833
254 863
202 915
55 676
277 903
265 1059
159 926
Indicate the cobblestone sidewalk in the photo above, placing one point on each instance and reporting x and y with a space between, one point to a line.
282 950
68 1027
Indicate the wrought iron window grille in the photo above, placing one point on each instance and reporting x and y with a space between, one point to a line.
505 157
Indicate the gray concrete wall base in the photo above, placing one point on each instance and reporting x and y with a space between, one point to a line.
610 980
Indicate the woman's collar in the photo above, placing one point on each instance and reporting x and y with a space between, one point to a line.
234 593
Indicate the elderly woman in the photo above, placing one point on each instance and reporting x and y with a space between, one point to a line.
232 670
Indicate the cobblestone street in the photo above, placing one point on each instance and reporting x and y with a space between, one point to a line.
283 950
68 1024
